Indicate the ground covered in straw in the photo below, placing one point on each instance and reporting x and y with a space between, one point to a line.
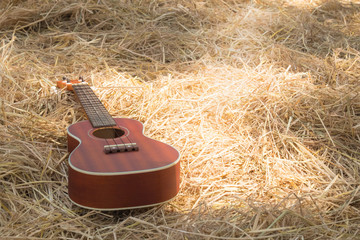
260 97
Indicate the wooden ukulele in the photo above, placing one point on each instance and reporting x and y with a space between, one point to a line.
112 165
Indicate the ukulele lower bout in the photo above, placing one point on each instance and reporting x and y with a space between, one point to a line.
120 168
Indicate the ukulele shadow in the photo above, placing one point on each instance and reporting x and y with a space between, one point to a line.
119 215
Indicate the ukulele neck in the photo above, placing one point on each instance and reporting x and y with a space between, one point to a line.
94 109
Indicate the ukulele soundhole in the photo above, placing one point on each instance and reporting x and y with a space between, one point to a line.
108 133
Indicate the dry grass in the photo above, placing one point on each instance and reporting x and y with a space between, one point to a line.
260 97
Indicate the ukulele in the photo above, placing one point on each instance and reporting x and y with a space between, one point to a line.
112 165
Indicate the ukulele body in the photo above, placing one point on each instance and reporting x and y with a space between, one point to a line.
124 178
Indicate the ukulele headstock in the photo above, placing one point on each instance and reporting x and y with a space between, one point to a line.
68 84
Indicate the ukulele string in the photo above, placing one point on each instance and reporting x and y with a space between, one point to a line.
115 133
120 137
83 94
126 136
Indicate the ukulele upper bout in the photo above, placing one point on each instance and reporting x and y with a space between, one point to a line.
131 152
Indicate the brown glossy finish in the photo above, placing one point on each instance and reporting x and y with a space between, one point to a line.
131 179
124 191
90 156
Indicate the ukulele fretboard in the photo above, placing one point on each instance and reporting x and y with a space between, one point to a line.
95 110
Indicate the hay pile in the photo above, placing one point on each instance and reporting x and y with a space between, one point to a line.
260 97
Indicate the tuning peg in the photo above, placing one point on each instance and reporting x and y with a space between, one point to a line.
66 79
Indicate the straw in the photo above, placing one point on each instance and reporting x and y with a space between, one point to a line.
261 98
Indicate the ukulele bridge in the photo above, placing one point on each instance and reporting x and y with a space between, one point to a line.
126 147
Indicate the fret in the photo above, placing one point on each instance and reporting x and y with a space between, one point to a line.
94 109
